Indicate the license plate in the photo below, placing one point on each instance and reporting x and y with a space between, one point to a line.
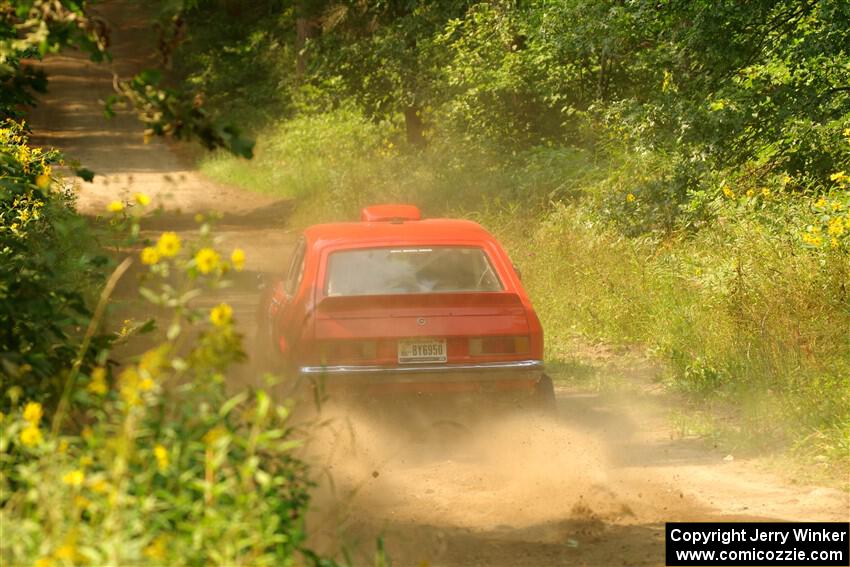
421 350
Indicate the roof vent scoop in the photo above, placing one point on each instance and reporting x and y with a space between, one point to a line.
390 213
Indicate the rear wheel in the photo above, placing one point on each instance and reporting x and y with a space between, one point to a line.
544 395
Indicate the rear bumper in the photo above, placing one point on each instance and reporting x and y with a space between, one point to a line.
487 377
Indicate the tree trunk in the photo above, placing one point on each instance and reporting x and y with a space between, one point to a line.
414 125
306 27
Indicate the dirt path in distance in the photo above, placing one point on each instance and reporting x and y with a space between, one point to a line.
590 486
71 118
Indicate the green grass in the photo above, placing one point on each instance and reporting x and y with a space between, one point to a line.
740 321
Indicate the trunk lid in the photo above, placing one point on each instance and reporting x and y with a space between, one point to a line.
386 320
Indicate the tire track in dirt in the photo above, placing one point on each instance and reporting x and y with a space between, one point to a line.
591 486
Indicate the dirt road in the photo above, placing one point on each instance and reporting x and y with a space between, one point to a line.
591 486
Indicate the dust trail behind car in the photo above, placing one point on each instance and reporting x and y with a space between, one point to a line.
524 489
434 488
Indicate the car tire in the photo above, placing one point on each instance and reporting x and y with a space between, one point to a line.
544 395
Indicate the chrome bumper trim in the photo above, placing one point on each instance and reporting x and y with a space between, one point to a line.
512 365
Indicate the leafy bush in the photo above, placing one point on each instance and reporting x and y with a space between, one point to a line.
152 463
49 269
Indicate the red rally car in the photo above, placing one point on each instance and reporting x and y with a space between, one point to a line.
396 304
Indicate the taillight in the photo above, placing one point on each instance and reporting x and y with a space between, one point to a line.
338 351
480 346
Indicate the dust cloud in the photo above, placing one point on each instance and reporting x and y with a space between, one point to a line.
591 485
510 475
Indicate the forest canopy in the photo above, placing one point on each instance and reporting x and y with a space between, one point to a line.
707 86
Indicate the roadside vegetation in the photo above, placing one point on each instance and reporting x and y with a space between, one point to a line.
143 460
671 175
105 458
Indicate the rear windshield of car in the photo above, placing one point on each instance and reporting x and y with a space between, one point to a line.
434 269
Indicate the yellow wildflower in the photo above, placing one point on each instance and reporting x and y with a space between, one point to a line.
142 199
168 244
812 239
630 197
33 412
43 562
765 192
156 550
67 552
115 207
214 434
833 242
221 315
31 436
207 260
820 203
42 181
161 454
99 373
836 227
146 385
728 192
238 259
98 381
129 380
838 176
152 361
847 132
149 255
74 478
100 486
751 193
